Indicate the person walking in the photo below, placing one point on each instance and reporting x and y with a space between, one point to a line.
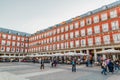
111 66
103 66
117 65
42 64
73 65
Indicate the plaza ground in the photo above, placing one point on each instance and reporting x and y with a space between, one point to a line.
31 71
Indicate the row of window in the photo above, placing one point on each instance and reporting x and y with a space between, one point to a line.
82 23
77 33
80 43
8 49
9 43
10 37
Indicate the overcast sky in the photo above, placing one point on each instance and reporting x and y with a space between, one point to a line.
33 15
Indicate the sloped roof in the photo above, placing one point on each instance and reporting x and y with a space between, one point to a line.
9 31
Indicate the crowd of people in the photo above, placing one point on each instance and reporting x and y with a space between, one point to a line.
108 65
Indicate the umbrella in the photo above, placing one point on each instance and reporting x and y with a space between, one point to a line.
70 54
109 51
58 54
82 54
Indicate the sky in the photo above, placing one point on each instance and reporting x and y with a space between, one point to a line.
34 15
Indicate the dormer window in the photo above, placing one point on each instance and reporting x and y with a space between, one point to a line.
88 21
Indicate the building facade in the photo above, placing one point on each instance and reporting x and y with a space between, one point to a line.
13 43
89 33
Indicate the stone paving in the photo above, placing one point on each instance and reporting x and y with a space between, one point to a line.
30 71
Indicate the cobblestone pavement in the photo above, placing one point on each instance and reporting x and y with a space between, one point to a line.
30 71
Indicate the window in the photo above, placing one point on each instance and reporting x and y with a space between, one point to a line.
54 39
2 48
71 35
17 50
113 13
88 21
47 40
97 29
76 25
66 45
13 49
58 30
8 43
115 25
116 38
21 50
3 42
54 32
62 29
22 38
7 49
44 41
62 45
66 36
90 41
76 33
96 19
104 16
4 36
66 28
71 44
58 46
89 31
71 26
53 47
106 39
105 27
22 44
83 32
18 38
82 23
26 50
98 40
46 47
83 43
58 38
9 37
14 37
77 43
26 45
51 39
62 37
13 43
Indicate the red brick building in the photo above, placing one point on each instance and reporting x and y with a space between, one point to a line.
89 33
13 43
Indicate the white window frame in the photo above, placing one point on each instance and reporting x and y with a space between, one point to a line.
82 23
97 29
83 42
97 40
88 21
90 41
104 16
77 43
89 31
105 27
115 25
76 33
83 32
113 13
116 38
76 25
71 26
96 19
106 39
